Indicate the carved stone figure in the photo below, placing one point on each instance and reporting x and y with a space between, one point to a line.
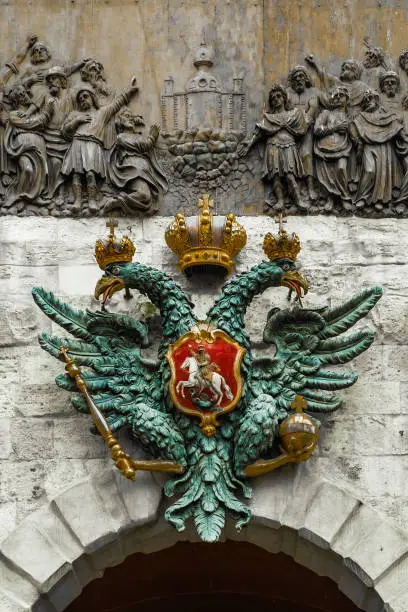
10 68
403 65
303 95
93 72
374 132
133 167
374 65
281 129
56 144
350 76
332 145
25 143
390 88
41 61
86 127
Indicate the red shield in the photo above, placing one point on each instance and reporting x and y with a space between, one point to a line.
205 372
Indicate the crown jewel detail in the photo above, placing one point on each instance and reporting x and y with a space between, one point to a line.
112 249
205 239
282 246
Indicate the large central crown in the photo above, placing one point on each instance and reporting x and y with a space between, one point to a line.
112 249
281 246
205 239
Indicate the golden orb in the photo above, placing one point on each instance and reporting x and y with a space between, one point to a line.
298 432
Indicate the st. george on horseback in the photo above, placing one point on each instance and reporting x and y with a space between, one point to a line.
203 375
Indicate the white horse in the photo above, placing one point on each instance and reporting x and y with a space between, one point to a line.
217 383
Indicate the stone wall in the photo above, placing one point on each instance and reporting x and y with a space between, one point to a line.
47 446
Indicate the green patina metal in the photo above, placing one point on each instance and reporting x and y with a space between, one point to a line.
134 392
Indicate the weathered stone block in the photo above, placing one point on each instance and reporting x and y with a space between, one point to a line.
82 444
19 322
370 543
43 400
33 438
17 587
326 513
367 396
78 279
141 497
8 518
271 495
366 252
5 437
7 605
337 436
393 585
27 548
85 514
63 473
19 280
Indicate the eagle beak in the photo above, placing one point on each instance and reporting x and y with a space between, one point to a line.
108 285
294 280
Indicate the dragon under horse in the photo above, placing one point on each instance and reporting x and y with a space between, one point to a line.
214 458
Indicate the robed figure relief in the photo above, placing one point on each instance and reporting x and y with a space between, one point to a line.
376 133
332 145
281 128
24 142
302 94
133 167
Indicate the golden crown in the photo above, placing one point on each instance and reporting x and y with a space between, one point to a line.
205 239
112 250
281 246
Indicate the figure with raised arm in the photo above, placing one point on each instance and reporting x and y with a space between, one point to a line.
350 77
374 64
10 68
86 128
34 77
133 167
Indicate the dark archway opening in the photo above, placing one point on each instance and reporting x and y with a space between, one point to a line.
234 576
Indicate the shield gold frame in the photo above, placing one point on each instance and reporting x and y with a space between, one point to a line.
206 333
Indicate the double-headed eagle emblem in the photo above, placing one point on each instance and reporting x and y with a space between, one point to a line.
207 411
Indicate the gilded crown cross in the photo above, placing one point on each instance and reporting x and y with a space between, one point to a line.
205 203
111 224
281 220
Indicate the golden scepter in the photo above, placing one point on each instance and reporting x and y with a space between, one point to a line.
123 462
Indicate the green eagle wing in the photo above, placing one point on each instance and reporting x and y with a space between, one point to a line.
306 341
126 387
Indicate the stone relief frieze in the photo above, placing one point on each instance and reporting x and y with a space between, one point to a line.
328 141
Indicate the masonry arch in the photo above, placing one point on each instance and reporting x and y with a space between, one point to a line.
49 558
